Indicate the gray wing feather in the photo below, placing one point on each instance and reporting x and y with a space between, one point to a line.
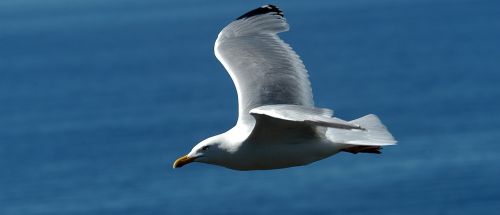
264 69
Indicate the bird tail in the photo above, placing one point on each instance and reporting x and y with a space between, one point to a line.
369 140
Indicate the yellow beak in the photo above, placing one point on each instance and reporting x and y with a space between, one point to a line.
182 161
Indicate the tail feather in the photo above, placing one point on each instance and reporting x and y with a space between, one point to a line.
375 133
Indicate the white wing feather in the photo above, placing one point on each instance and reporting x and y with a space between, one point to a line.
365 131
308 115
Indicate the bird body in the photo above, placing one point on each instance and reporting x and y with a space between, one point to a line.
278 125
261 153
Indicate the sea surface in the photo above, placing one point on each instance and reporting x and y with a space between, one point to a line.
99 97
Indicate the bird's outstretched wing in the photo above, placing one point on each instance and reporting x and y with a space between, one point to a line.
294 121
306 115
277 122
264 69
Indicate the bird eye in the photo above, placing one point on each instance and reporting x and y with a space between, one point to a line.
204 148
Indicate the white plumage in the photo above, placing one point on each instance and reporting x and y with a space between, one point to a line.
278 125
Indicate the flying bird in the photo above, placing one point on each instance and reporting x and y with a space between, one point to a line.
278 125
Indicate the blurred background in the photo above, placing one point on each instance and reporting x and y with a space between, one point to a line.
99 97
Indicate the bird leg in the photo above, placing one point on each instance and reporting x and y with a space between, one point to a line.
363 149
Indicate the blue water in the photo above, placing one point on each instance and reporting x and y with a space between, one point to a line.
98 98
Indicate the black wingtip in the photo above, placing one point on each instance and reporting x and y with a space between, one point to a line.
262 10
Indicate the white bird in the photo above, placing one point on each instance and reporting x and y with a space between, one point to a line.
278 125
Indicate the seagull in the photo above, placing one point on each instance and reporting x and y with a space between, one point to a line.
278 125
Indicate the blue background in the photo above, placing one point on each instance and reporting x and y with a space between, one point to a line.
99 97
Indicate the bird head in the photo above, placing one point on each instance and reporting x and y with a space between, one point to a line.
210 150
